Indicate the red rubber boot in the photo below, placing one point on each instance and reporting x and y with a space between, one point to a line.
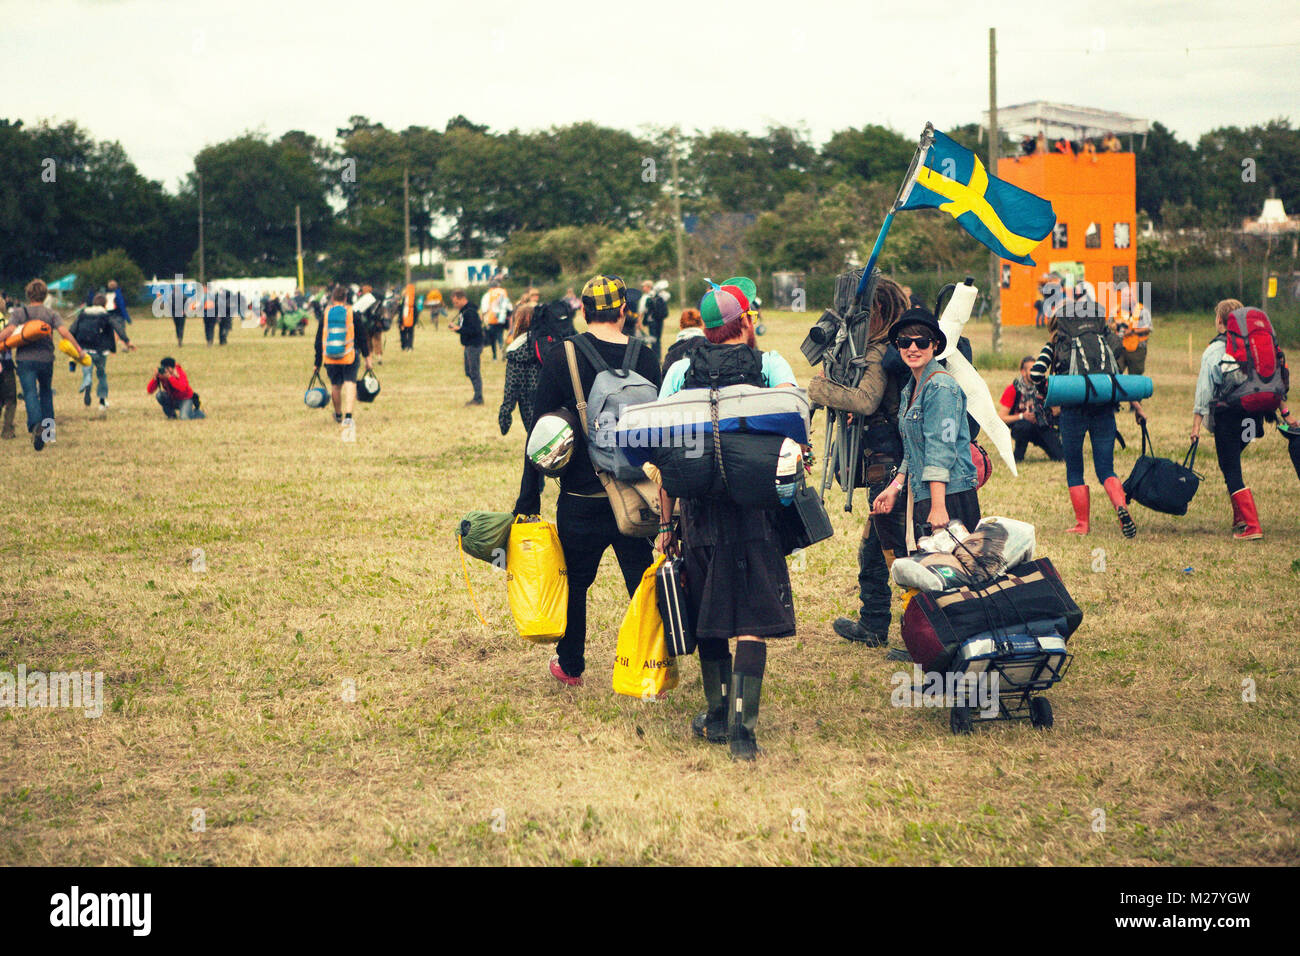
1243 502
1115 491
1079 498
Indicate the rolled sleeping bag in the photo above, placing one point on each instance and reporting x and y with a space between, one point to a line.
1105 389
33 330
763 471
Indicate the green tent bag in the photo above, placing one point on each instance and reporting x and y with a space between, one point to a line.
484 534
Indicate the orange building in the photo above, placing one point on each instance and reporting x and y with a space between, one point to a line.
1094 196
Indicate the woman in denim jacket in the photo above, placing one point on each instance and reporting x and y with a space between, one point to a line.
936 466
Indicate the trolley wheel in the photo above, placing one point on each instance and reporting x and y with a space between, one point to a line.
960 720
1040 713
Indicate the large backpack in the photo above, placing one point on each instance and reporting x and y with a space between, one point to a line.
611 392
1080 343
339 335
1255 377
717 366
552 323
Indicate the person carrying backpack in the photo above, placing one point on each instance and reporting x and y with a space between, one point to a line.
340 337
1243 378
1077 345
734 574
98 330
34 362
584 515
523 368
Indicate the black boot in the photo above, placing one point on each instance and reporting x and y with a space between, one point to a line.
746 689
712 724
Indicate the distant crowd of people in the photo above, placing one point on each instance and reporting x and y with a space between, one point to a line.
1039 145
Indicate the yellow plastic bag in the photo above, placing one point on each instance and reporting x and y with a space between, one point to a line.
642 667
537 581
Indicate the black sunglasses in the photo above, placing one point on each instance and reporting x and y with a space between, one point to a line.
920 341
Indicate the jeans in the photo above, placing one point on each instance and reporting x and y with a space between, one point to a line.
495 336
587 527
99 363
473 369
38 396
1097 421
174 409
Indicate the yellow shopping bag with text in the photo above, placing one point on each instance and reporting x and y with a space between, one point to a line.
642 666
537 582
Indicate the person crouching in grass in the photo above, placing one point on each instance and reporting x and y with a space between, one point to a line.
172 389
339 339
734 573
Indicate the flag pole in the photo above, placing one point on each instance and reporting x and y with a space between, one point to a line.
918 159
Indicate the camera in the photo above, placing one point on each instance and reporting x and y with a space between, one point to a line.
821 336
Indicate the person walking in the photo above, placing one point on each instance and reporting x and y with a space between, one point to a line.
1132 324
584 517
936 469
410 315
734 574
1076 421
34 362
340 339
116 302
98 331
522 372
495 308
1233 429
470 327
1029 419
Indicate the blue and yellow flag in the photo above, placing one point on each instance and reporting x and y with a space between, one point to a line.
1006 218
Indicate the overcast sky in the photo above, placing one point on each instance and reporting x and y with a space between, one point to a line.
167 77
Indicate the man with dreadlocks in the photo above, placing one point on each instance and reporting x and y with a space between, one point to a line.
875 403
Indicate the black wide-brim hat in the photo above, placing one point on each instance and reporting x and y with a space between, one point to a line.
920 316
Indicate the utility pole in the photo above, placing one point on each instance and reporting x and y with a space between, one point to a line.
995 265
297 225
202 273
677 223
406 219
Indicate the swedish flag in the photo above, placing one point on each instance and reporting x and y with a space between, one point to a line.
1006 218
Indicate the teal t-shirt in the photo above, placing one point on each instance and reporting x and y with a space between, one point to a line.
776 371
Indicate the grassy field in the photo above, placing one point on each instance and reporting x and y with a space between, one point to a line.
331 566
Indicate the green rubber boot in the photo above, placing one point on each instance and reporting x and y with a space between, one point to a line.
746 690
712 724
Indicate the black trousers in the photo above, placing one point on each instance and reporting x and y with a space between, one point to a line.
1232 433
873 565
587 527
1294 450
223 326
209 327
1031 433
964 506
407 337
179 322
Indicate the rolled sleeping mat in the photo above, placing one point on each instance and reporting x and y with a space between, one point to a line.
33 330
1105 389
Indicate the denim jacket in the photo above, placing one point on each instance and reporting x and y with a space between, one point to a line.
936 436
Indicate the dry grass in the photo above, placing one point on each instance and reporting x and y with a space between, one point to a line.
328 562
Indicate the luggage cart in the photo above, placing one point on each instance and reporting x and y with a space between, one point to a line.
1024 665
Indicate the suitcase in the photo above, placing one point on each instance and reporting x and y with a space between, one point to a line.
935 625
1162 484
679 629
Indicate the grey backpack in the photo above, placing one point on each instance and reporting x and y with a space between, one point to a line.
613 390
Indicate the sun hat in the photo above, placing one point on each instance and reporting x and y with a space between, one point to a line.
923 317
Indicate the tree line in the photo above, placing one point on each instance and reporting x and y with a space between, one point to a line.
550 202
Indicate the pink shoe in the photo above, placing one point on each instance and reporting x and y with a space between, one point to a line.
558 673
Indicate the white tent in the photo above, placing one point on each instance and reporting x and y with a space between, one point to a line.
1059 120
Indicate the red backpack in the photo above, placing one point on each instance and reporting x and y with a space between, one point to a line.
1258 383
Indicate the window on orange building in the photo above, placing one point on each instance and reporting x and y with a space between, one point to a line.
1060 236
1006 275
1123 233
1092 237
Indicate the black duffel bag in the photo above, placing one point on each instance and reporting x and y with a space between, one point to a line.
1162 484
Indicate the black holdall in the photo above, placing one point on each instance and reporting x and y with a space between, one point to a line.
1162 484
